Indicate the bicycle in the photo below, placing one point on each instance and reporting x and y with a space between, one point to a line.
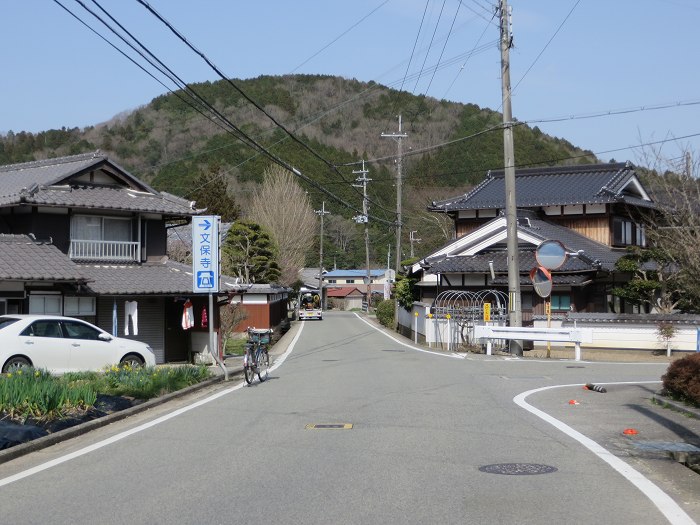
257 357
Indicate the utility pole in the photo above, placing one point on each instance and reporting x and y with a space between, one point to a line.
514 301
412 239
363 180
399 180
321 212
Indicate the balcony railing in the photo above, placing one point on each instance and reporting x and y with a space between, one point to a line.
115 251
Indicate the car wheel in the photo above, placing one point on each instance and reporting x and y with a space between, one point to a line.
133 360
15 363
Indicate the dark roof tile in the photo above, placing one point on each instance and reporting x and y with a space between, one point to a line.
23 259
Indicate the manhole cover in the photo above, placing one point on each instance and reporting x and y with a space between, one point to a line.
337 426
518 469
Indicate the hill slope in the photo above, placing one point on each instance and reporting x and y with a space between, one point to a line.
169 144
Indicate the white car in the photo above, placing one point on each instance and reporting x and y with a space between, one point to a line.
64 344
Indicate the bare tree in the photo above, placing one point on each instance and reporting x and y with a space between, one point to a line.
282 206
230 316
675 229
341 231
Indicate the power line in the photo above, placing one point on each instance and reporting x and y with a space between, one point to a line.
240 135
241 92
341 35
430 45
447 39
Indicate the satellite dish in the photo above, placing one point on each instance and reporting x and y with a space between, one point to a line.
551 254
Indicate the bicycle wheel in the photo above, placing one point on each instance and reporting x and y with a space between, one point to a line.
263 364
249 368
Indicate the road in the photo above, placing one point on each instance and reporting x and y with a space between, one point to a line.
423 425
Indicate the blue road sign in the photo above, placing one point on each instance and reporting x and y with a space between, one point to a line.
205 254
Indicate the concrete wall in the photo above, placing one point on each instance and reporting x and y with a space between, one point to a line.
609 334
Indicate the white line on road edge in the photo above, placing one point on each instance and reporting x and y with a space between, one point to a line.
669 508
145 426
454 356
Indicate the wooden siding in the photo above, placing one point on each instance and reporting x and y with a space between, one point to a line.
464 227
595 228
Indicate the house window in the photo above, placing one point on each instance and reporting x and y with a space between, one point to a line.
560 302
331 281
350 281
79 306
45 304
92 228
628 233
102 238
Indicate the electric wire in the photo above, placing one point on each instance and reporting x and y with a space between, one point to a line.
471 53
250 100
340 36
447 39
415 44
240 135
430 45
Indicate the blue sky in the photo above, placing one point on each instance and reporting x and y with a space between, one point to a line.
607 56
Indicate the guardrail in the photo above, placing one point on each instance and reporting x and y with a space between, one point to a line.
554 335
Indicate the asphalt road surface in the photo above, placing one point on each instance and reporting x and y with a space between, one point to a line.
403 436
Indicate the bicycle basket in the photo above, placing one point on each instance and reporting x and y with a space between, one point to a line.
259 336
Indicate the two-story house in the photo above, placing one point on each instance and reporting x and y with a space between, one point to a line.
339 278
81 236
593 210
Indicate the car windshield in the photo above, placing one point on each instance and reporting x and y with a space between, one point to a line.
7 321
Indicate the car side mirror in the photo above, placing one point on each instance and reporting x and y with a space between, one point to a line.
104 337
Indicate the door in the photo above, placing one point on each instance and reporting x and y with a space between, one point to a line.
44 344
88 352
176 339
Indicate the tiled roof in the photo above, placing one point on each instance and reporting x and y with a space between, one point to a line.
595 254
49 183
23 259
558 185
353 273
104 198
343 291
148 279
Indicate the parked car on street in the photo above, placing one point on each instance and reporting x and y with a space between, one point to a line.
64 344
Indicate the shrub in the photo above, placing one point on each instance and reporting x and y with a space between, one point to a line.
385 312
682 379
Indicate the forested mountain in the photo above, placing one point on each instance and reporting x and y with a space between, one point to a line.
335 122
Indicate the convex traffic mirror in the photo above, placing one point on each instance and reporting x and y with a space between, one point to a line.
551 254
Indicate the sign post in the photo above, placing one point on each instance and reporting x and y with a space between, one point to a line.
205 270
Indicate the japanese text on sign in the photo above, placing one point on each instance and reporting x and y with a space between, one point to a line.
205 254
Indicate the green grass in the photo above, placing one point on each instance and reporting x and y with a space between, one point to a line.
235 346
35 394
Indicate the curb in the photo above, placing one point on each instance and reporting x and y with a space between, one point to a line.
83 428
676 405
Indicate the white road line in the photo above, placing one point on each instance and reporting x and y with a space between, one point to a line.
454 356
140 428
669 508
